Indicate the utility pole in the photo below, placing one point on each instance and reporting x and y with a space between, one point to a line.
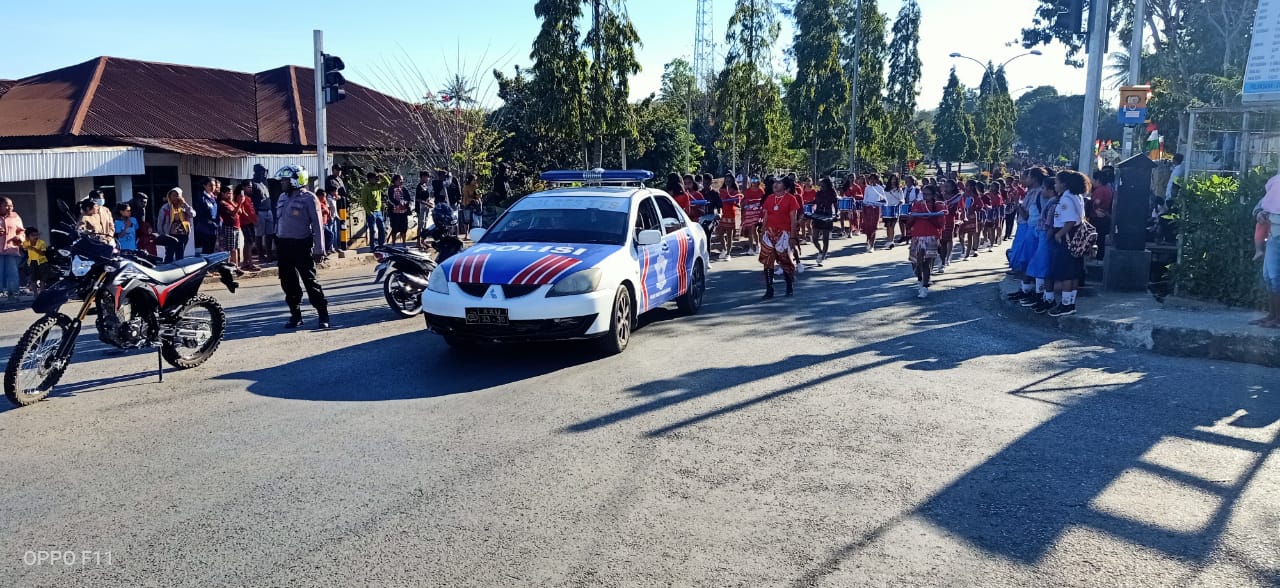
1098 13
322 124
853 89
1133 135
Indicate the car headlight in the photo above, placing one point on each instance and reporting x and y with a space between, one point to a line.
580 283
438 282
80 266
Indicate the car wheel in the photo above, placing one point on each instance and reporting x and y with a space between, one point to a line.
621 321
691 302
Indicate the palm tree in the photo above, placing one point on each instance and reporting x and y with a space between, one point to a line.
1118 70
458 92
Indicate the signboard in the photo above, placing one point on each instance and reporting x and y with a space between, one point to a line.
1133 105
1262 76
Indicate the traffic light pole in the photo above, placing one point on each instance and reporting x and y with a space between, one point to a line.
1098 31
322 130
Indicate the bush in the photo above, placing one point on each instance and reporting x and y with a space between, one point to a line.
1216 222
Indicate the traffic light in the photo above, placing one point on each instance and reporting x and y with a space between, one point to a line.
1071 20
333 81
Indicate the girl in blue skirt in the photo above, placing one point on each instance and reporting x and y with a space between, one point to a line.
1039 265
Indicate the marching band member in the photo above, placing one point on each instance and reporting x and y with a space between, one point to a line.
873 199
926 220
781 209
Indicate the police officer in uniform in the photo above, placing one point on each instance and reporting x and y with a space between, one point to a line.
300 245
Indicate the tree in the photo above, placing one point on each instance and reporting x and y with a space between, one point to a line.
818 97
747 100
922 132
904 85
663 142
1199 49
996 117
559 68
612 40
864 34
952 124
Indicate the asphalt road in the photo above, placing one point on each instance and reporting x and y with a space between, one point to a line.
849 436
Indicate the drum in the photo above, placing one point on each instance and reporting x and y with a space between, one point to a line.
904 209
752 214
858 205
888 211
808 210
844 204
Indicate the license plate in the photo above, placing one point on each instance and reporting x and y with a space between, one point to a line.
486 316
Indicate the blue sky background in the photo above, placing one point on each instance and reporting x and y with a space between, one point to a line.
406 47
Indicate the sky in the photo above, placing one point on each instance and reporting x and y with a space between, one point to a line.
409 47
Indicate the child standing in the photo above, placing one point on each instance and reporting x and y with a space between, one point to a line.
35 248
126 228
232 238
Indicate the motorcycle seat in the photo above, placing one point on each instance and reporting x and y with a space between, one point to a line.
172 272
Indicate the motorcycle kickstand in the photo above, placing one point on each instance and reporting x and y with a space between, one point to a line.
160 364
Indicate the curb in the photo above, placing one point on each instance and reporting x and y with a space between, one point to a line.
350 260
1256 346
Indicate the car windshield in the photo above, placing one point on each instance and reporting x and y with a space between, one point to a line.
560 220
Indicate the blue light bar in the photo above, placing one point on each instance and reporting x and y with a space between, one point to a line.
597 175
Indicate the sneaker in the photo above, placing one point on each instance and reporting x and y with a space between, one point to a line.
727 256
777 271
1031 299
924 292
1017 296
1044 306
1063 310
293 323
941 270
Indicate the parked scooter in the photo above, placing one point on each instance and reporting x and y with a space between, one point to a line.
403 274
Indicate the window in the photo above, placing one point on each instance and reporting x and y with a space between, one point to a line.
669 210
560 225
647 219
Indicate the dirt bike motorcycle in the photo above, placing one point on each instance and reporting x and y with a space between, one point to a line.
138 305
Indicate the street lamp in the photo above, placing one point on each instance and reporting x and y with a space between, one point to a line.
1036 52
1022 89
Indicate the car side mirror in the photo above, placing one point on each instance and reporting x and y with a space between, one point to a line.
476 234
649 237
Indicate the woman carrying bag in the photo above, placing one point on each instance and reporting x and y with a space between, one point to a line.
173 224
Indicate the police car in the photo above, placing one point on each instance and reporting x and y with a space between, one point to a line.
577 262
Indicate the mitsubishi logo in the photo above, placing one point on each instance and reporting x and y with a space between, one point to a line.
493 292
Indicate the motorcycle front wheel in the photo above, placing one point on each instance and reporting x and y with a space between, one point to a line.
36 364
196 333
400 297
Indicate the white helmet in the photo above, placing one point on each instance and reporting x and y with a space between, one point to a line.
293 176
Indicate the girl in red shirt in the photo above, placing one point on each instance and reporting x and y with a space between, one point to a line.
781 209
925 222
851 189
730 196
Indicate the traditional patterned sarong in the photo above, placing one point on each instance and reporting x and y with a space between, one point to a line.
775 249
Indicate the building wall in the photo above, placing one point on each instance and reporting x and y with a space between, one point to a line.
25 203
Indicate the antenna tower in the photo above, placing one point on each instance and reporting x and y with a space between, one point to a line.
704 45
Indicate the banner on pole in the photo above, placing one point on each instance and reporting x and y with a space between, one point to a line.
1262 74
1133 105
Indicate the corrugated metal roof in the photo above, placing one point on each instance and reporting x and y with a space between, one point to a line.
141 99
114 97
73 162
5 85
201 147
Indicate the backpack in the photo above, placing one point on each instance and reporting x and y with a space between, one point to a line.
1082 239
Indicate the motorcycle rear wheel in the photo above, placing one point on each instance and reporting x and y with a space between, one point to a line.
35 365
185 357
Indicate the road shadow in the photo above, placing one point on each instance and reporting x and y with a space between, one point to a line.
1102 462
407 366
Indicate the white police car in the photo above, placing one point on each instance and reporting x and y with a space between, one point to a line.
571 263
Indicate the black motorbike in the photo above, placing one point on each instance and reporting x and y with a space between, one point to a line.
138 304
403 272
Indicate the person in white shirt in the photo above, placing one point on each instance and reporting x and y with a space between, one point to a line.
874 197
1178 170
893 201
1066 270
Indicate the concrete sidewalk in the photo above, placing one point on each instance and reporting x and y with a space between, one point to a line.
1178 327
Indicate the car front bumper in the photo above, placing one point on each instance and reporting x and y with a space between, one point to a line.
533 317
